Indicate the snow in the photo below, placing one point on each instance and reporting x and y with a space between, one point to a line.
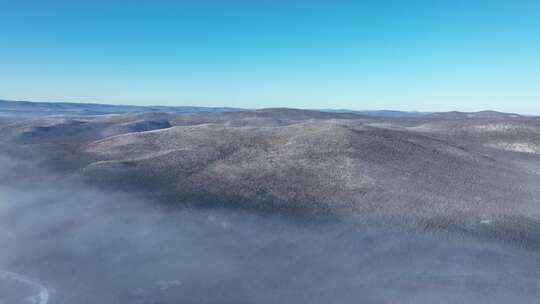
42 294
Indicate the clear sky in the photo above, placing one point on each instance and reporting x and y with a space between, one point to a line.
426 55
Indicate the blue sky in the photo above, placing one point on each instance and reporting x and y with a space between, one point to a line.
426 55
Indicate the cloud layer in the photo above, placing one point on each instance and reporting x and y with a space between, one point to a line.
89 246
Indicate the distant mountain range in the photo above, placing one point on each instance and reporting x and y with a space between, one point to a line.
480 114
27 108
58 108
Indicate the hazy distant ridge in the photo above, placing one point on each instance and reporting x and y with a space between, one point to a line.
8 107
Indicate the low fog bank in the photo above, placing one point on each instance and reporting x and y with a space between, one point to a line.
64 242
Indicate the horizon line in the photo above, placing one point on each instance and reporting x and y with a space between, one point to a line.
259 108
